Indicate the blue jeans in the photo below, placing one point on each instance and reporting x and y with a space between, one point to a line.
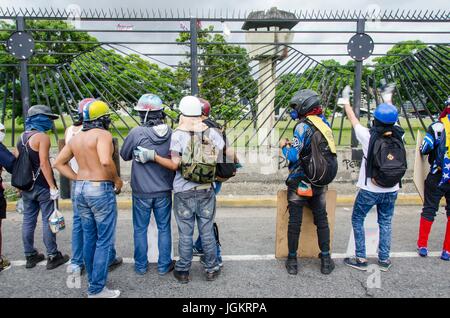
77 237
190 206
96 203
33 201
385 203
142 209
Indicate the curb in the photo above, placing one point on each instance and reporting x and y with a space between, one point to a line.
249 201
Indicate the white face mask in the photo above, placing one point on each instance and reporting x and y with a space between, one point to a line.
2 136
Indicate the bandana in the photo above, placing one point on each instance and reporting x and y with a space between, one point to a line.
39 122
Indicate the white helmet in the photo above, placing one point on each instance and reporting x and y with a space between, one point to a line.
190 106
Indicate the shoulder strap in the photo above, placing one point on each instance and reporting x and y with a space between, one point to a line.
326 131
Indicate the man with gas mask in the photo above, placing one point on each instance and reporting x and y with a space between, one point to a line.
151 183
97 184
302 189
36 143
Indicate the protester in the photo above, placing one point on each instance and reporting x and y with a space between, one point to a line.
194 154
308 111
382 167
97 183
77 265
6 161
435 145
36 143
151 184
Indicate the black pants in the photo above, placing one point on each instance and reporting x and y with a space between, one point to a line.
433 196
317 203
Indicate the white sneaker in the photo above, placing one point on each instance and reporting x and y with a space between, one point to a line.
106 293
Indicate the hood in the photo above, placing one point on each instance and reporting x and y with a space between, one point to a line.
158 134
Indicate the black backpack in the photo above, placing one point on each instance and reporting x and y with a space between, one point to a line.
321 165
389 161
23 176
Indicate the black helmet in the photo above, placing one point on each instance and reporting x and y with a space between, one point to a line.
304 101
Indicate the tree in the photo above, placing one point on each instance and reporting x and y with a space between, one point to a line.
224 74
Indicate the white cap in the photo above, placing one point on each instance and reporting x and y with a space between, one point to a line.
190 106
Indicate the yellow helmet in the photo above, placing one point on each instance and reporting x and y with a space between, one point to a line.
95 109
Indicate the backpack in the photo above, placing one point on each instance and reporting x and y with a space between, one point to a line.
23 176
199 158
321 165
389 162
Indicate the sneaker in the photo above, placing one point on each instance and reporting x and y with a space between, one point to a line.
182 277
106 293
327 264
384 265
210 276
33 260
445 256
422 251
57 260
171 268
291 265
356 262
76 269
4 264
115 264
197 252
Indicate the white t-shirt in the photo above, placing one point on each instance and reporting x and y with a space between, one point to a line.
69 134
363 135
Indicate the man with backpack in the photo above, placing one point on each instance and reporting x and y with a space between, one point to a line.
435 145
7 161
151 183
312 165
33 175
77 262
97 184
194 154
382 168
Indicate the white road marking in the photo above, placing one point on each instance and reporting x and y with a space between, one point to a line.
264 257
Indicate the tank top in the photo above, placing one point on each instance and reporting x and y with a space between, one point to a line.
34 158
69 135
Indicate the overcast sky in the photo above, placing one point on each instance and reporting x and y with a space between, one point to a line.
248 5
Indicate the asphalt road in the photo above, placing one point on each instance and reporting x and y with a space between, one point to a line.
248 232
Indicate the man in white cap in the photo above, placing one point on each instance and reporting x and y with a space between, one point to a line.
194 153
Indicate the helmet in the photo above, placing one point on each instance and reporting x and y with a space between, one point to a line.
83 103
42 110
304 101
206 107
386 113
190 106
94 110
149 102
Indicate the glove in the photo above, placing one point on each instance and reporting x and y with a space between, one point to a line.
386 93
144 155
54 194
345 99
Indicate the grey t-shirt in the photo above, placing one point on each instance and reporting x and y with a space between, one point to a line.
178 143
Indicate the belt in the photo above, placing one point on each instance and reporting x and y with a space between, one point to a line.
203 187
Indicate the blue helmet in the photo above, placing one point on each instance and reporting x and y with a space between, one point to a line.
386 113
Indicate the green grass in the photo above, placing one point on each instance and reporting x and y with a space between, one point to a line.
244 129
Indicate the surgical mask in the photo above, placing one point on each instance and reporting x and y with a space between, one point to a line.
2 136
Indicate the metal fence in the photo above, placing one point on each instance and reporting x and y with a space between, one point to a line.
248 64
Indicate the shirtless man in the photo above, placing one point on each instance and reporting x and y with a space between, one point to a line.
97 182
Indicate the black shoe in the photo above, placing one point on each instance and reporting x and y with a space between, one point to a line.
34 259
116 263
57 260
171 268
291 265
327 264
210 276
182 277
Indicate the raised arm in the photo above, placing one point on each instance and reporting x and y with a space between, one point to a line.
345 102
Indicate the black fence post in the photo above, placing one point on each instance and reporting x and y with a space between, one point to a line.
24 80
194 56
358 83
